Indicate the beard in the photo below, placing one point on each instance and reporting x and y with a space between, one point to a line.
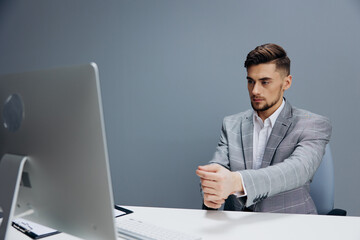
267 106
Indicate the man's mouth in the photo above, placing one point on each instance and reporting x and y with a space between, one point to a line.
257 99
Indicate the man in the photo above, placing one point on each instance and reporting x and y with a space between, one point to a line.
266 157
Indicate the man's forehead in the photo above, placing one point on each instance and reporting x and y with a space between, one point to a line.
263 70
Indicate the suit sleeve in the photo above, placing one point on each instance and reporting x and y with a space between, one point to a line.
296 170
221 157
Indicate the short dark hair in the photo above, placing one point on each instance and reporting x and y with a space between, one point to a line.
268 53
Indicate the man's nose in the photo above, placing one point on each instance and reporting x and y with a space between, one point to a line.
256 89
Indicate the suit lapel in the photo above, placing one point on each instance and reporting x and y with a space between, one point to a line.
247 130
278 132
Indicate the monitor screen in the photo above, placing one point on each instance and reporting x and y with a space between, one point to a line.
54 117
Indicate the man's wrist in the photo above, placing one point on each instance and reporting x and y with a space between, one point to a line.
238 186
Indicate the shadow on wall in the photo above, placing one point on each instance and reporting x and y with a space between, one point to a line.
4 9
357 2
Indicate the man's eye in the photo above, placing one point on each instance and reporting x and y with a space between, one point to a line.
250 81
265 82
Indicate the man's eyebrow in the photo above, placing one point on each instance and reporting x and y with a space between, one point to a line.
261 79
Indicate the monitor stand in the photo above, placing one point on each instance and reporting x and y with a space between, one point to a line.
11 167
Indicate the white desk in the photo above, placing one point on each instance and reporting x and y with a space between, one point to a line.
240 225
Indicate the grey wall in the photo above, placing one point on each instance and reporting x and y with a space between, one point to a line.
171 70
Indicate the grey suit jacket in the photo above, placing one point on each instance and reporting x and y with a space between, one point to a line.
293 153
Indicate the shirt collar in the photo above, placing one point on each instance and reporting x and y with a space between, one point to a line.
272 117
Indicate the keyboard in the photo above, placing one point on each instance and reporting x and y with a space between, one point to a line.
129 228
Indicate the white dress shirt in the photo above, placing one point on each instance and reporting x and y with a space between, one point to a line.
261 134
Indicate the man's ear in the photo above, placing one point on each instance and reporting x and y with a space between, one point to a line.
287 82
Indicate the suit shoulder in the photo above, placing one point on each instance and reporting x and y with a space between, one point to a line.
303 115
238 117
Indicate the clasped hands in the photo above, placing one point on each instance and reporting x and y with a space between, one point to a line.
217 184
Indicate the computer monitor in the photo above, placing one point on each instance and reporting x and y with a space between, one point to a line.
54 117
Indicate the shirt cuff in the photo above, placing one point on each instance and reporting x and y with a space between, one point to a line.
241 194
